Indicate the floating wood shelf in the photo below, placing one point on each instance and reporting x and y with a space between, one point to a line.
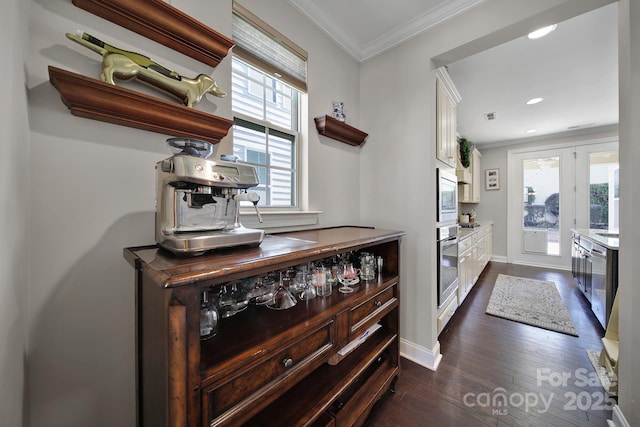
163 23
340 131
95 99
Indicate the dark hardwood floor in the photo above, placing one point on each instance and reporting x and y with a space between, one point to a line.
544 378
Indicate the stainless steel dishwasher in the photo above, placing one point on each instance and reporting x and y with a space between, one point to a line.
603 282
584 267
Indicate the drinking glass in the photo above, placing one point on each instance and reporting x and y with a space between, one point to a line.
262 290
320 282
367 266
208 317
347 276
306 290
232 300
282 298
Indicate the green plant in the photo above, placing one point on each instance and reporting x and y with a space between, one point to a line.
465 152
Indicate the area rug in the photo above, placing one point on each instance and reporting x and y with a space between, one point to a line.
533 302
601 371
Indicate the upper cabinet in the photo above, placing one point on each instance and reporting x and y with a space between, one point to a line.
447 99
477 176
470 179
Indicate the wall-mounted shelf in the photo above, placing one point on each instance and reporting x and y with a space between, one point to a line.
335 129
163 23
95 99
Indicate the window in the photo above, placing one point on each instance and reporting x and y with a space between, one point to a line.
266 132
269 73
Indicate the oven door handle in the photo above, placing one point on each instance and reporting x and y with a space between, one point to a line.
448 239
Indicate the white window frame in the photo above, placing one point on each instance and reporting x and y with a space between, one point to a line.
283 218
253 122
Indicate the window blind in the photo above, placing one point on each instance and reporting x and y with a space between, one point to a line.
264 47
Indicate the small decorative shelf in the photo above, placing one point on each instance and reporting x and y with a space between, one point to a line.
340 131
95 99
163 23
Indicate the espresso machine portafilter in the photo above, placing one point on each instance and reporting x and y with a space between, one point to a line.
198 200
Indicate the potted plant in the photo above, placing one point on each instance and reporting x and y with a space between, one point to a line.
465 152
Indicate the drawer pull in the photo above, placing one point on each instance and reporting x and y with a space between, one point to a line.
287 363
377 303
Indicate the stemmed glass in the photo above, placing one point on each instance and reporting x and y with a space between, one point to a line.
232 301
282 298
347 276
306 290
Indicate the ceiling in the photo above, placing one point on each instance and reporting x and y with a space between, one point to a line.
574 69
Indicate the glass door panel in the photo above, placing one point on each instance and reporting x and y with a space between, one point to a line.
604 190
541 205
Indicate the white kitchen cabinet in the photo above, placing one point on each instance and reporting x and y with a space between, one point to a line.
470 179
447 99
476 171
465 278
474 253
464 174
464 192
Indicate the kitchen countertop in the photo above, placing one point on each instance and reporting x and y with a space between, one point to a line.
610 242
465 232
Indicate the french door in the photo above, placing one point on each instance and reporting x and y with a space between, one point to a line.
598 190
541 204
553 190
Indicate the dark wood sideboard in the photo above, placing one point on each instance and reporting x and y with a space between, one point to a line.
265 367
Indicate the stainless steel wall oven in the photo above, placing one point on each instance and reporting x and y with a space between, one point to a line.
447 246
447 191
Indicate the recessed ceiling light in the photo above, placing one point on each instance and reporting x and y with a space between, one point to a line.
542 32
531 131
534 101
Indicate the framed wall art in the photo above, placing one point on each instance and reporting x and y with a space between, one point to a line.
492 179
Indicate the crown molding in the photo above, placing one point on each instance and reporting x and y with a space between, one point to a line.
405 31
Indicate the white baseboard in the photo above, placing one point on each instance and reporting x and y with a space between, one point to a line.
497 258
541 265
618 419
430 359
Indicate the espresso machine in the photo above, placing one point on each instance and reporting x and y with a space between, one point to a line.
198 200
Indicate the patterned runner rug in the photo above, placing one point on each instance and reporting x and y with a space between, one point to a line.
601 371
533 302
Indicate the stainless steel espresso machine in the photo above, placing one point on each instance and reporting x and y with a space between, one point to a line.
198 200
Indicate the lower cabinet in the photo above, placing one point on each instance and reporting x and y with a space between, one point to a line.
474 253
323 362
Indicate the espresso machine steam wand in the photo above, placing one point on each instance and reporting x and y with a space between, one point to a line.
249 196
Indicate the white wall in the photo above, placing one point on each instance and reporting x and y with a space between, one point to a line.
14 176
629 86
93 194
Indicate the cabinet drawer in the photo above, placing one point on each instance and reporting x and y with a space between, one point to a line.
465 244
257 386
374 308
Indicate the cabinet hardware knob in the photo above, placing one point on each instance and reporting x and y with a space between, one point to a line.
287 363
377 303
